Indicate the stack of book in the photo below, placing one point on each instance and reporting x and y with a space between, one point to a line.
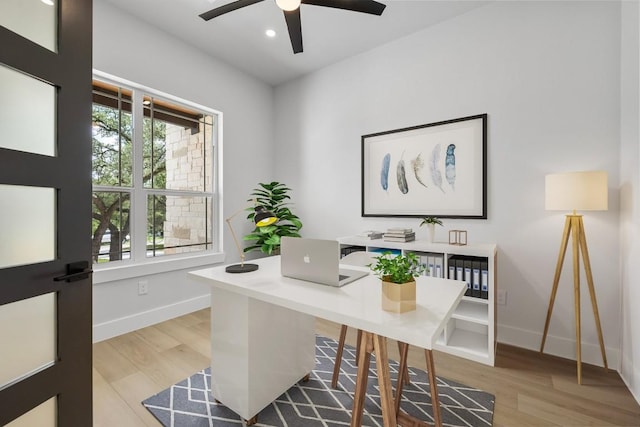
399 235
371 234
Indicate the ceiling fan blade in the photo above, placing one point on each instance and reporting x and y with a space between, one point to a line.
227 8
295 29
365 6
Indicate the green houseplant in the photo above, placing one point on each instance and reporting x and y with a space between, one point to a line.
431 222
398 269
274 197
398 275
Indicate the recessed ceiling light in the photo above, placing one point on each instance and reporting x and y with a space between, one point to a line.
48 2
270 33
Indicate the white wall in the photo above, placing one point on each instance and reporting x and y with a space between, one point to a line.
548 75
630 194
131 49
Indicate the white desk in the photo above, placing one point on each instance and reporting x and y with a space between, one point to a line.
262 328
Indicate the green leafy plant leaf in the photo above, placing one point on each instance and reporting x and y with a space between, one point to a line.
431 220
274 197
399 268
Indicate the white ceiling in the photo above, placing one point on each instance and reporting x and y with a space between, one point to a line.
329 35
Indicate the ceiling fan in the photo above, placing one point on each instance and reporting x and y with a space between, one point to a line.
291 9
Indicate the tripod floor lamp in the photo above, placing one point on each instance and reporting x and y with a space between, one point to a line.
262 218
571 192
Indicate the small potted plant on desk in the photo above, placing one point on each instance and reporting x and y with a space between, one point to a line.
431 222
398 275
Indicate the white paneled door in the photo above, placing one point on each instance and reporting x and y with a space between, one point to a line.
45 213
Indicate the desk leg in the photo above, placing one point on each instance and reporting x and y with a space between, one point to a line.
338 360
404 351
369 343
405 419
364 357
405 371
384 381
435 401
358 344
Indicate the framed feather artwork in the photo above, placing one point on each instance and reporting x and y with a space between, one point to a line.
438 169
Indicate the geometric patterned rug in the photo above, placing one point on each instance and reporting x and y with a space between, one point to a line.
314 403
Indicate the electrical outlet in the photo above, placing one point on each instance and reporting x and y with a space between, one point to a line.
143 287
502 297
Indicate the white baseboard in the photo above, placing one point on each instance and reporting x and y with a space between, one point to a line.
558 346
123 325
631 378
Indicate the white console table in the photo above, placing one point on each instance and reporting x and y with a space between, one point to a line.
262 330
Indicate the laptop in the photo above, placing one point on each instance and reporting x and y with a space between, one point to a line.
315 260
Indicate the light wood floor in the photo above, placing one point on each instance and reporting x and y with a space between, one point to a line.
530 389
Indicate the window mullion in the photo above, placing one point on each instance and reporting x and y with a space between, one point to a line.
139 202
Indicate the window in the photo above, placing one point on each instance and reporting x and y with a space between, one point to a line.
154 190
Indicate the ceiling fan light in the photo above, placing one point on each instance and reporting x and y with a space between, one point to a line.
288 5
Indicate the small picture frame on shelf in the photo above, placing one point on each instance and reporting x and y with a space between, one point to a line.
458 237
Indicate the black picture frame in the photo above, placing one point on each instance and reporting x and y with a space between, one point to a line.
437 169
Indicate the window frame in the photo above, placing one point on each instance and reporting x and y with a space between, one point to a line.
139 264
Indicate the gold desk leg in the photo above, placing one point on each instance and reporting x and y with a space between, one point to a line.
384 381
435 400
405 370
358 340
338 360
404 351
405 419
364 357
369 343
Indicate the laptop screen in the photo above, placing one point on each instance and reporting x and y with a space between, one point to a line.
314 260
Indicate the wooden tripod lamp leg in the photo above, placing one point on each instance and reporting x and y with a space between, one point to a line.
592 292
556 277
575 229
574 225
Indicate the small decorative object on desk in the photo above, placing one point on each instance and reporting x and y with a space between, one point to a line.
399 235
458 237
398 280
431 222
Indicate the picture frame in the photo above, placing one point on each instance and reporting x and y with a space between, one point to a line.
437 169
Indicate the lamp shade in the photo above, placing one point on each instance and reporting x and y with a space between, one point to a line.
584 191
263 217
